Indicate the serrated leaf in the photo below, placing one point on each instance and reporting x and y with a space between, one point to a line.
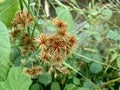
95 68
16 80
4 51
7 10
55 86
65 15
45 78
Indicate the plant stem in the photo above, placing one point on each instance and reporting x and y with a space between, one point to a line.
21 5
111 81
95 61
67 65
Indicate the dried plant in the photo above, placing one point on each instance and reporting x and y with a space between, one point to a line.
32 72
57 46
22 19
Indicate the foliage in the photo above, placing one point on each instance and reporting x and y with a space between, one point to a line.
4 51
59 45
7 10
16 80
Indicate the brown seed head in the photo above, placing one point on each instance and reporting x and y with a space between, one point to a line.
15 33
72 41
45 56
33 71
22 19
62 32
60 24
42 40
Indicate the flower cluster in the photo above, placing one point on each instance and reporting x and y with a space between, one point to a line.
22 19
57 46
27 44
33 71
20 34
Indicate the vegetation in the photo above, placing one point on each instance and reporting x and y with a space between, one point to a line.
59 45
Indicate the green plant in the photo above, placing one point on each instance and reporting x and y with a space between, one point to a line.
42 51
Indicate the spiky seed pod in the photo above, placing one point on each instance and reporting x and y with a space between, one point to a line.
45 57
62 32
22 19
60 24
72 41
42 40
56 47
33 71
15 33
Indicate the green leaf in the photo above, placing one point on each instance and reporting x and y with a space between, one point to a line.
98 36
65 15
55 86
95 68
1 1
14 53
45 78
35 86
97 57
7 10
87 55
89 85
83 88
4 51
73 1
76 81
71 87
112 35
114 56
118 62
107 14
16 80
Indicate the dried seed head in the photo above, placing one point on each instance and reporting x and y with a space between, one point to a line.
42 40
33 71
72 41
15 33
22 19
56 47
45 56
62 32
60 24
27 43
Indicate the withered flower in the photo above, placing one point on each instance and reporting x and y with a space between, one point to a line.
42 40
15 33
45 57
33 71
27 44
58 68
62 32
22 19
72 41
28 41
56 47
60 24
